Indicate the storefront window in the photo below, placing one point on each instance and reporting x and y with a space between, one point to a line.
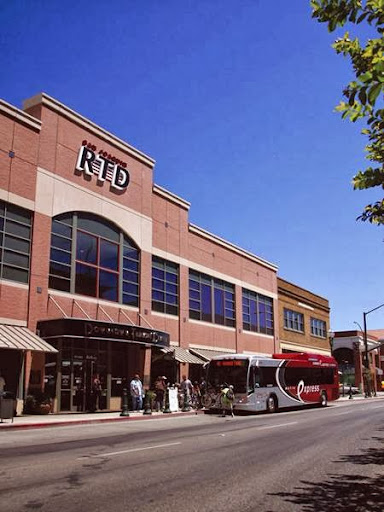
165 286
90 256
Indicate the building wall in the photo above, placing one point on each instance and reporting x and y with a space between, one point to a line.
297 299
42 177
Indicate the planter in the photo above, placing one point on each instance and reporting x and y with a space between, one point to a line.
43 409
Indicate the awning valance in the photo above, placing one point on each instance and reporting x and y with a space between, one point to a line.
21 338
207 355
182 355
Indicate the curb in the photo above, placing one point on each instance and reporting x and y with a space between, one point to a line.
85 421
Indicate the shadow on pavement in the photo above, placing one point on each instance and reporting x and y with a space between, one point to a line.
342 492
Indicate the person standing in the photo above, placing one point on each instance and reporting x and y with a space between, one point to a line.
160 387
95 392
136 388
186 388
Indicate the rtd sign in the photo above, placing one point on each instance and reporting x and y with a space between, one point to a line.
104 165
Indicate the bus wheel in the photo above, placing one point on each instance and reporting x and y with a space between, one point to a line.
271 404
323 399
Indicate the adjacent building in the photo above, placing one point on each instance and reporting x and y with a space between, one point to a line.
303 319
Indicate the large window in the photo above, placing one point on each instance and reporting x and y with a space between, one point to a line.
318 328
211 300
165 286
257 312
293 320
91 256
15 242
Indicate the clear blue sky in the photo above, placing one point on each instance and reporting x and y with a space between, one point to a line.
234 99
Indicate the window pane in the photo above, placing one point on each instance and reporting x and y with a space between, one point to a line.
156 272
194 305
18 214
61 229
159 296
86 248
206 303
109 254
15 274
17 244
19 260
97 226
18 230
130 300
130 288
171 299
157 284
85 280
61 243
172 278
219 306
108 282
130 276
59 284
60 256
130 252
171 288
131 265
60 270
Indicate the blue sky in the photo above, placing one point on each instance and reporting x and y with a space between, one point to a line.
234 100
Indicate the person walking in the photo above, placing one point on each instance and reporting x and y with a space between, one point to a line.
227 397
136 388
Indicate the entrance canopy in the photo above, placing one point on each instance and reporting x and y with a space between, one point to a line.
207 355
20 338
182 355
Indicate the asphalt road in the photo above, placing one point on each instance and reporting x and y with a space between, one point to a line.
316 460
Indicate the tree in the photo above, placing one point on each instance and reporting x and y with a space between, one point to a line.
364 95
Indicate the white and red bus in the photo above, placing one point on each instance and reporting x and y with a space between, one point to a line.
272 383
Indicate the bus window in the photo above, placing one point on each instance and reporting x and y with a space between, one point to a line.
264 377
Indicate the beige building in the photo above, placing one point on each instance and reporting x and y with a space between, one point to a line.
303 319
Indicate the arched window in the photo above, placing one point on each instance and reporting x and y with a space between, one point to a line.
91 256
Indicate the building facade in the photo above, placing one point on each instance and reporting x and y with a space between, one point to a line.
102 268
303 319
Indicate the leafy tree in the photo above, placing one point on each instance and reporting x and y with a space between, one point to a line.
364 95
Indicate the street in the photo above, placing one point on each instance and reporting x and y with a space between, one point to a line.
308 460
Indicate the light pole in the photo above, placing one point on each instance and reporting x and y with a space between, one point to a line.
366 359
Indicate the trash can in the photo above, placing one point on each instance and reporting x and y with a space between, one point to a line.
6 409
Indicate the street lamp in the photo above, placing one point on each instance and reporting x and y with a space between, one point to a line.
366 360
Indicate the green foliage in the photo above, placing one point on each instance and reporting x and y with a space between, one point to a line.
363 94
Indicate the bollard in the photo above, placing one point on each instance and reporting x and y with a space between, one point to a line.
167 410
186 407
124 409
350 393
148 403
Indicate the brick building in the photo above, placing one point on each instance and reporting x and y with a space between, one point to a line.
106 268
303 319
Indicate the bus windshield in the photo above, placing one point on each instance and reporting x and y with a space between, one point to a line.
232 372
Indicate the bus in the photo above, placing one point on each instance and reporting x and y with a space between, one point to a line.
272 383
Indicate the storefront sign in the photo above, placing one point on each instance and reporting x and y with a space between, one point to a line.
95 329
104 165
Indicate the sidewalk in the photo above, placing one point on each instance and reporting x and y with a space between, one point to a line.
62 419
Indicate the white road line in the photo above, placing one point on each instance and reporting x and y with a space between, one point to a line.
342 413
277 426
111 454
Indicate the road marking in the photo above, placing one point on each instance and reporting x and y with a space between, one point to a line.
111 454
277 426
342 413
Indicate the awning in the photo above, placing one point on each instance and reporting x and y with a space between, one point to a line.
20 338
182 355
208 354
